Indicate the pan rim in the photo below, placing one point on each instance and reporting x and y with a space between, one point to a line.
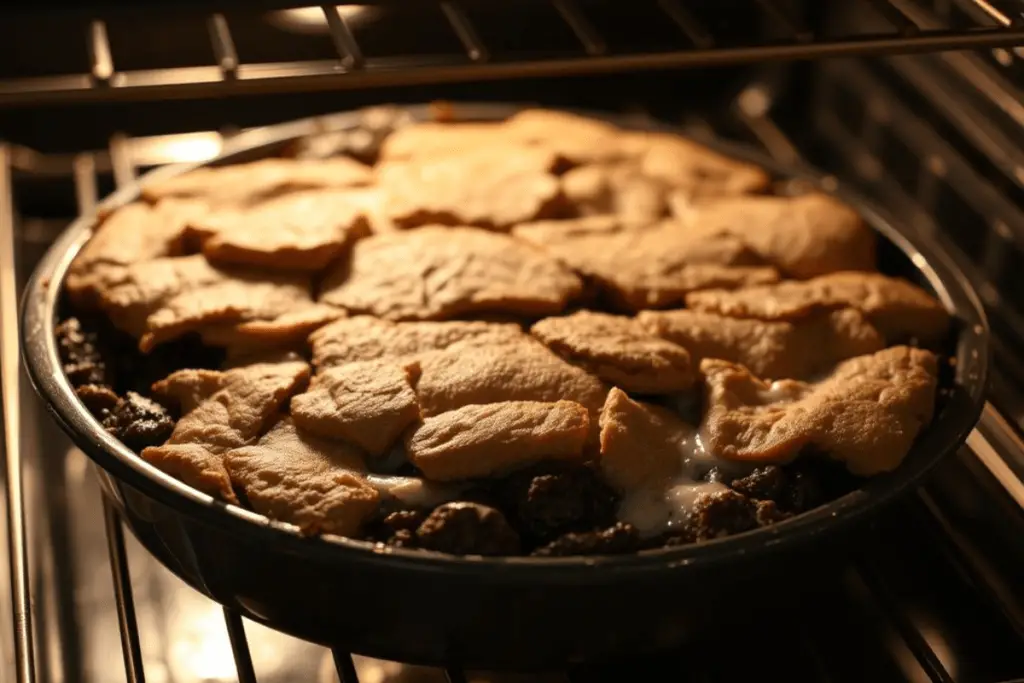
947 432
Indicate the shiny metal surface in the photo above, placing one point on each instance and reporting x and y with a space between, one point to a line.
937 598
703 39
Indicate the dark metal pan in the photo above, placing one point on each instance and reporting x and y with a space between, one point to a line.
421 607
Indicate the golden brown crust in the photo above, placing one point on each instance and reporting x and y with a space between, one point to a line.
367 403
486 440
435 273
648 267
133 233
363 338
222 411
307 481
297 231
802 236
165 298
866 413
770 349
522 370
619 351
642 445
245 184
898 309
495 187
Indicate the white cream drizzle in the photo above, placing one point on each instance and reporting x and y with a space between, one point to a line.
668 504
413 491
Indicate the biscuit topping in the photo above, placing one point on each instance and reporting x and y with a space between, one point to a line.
866 413
313 483
896 307
483 440
619 351
435 273
543 336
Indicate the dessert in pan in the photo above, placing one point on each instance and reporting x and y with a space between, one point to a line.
541 336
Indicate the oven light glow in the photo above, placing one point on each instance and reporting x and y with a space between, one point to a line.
312 19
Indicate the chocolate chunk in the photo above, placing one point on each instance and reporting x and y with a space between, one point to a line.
563 500
615 540
80 354
721 514
468 529
396 529
139 422
764 483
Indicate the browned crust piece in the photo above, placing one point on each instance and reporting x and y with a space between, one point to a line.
130 234
367 403
162 299
477 441
237 410
295 477
495 188
691 168
647 267
521 370
866 413
245 184
899 309
642 445
618 189
802 236
297 231
287 331
435 273
576 138
364 338
769 349
619 351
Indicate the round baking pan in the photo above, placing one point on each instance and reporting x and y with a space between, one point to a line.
510 613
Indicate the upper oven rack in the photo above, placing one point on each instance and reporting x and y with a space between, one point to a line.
901 26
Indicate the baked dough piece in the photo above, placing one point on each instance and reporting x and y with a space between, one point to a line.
618 350
897 308
487 440
649 267
221 411
434 273
779 349
866 413
313 483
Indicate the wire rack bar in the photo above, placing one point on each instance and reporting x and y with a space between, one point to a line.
127 623
465 30
592 41
229 76
341 35
10 391
239 646
687 23
904 626
99 50
895 16
223 45
792 24
345 667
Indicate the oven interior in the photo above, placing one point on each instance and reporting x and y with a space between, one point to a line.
92 97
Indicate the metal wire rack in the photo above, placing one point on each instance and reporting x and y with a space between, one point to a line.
915 184
704 34
870 582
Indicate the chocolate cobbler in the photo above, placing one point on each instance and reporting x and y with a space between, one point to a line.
542 336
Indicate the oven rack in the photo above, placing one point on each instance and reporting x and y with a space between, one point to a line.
901 26
126 156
